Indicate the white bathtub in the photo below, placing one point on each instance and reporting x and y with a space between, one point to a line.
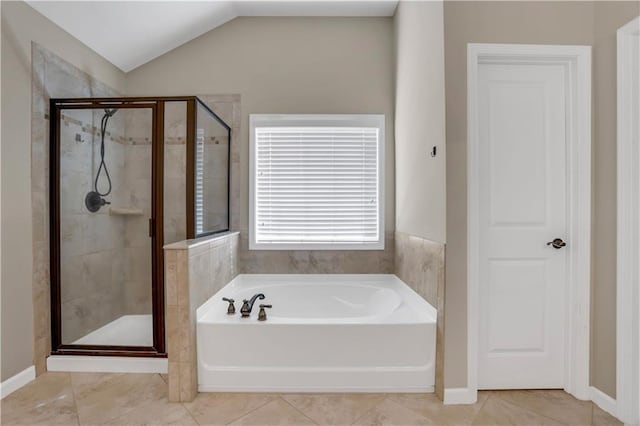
325 333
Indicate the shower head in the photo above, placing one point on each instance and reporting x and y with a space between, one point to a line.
110 111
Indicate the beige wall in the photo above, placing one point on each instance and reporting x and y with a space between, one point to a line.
20 26
587 23
285 65
419 120
420 178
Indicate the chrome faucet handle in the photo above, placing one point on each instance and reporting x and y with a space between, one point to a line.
262 315
231 309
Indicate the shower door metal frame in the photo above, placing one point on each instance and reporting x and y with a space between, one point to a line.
155 225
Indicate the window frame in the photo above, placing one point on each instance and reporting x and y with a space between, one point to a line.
317 120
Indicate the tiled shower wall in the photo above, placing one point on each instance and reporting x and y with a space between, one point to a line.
175 172
106 268
136 188
227 107
92 244
105 256
215 145
52 77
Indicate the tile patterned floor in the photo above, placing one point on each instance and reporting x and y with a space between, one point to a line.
141 399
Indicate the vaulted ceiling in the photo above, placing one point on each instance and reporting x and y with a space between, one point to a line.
131 33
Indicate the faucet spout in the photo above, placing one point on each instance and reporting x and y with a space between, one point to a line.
247 305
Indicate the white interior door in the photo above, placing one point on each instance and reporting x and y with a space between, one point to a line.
522 110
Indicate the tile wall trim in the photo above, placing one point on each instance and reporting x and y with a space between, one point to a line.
194 271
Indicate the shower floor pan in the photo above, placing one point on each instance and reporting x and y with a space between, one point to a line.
128 330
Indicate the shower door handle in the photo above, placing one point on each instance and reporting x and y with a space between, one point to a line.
151 227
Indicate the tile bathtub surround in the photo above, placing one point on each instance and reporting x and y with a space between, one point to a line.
52 77
316 261
420 263
140 399
194 271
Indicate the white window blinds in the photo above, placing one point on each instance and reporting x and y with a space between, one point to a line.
317 187
199 171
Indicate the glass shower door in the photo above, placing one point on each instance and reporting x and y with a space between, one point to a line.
105 206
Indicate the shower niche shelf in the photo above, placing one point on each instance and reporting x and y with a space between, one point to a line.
125 211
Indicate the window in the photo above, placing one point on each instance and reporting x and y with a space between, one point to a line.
317 182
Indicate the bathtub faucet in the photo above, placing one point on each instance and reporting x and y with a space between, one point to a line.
247 305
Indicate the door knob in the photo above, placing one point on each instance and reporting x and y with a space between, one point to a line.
557 243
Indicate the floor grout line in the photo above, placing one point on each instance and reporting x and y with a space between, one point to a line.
73 395
532 411
189 412
249 412
370 409
388 398
299 411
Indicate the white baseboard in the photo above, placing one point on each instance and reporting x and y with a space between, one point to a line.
307 389
458 396
604 401
107 364
14 383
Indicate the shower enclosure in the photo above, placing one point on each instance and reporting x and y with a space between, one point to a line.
128 175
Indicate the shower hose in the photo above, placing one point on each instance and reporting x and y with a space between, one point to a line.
103 165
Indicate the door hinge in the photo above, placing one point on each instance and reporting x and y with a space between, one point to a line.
151 227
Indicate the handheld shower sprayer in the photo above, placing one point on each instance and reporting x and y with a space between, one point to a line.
94 199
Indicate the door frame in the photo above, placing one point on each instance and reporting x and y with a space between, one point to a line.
628 249
577 60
